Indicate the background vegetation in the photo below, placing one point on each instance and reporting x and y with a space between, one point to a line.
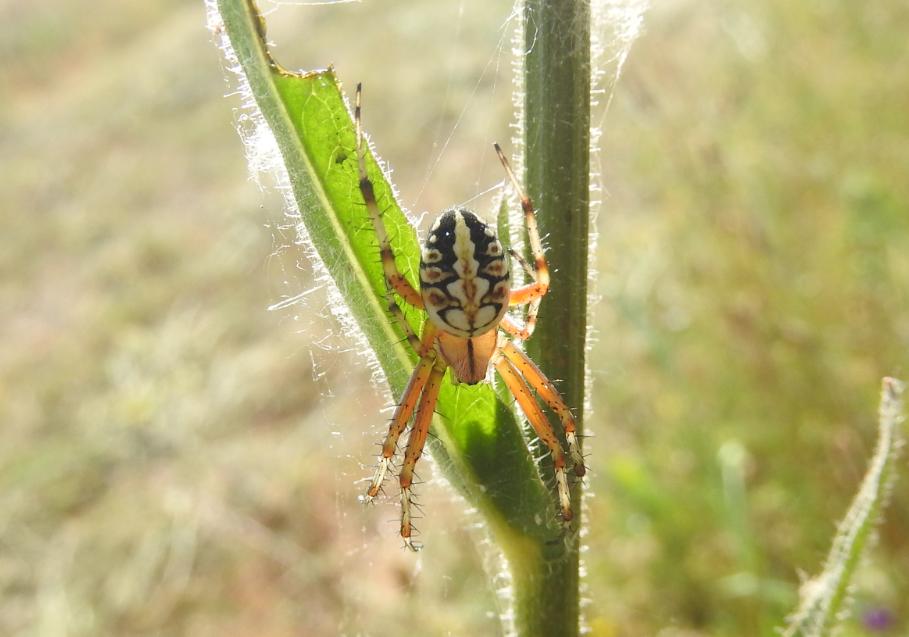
175 459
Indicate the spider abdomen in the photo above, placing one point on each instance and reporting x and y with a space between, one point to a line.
465 277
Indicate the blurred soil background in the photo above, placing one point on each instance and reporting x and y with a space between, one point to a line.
175 459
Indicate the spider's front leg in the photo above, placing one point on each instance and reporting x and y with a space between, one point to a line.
551 396
423 387
415 444
425 350
399 420
537 419
519 372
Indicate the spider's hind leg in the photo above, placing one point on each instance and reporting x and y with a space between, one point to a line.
540 285
396 281
421 345
513 326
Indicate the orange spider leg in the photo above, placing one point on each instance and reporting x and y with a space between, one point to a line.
511 325
397 281
415 444
409 334
422 346
534 414
521 331
550 395
423 386
427 344
399 421
526 294
540 285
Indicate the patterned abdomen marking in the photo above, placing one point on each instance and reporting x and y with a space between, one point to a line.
464 275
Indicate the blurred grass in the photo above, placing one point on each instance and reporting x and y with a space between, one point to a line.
176 460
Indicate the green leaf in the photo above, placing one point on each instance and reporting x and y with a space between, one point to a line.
479 443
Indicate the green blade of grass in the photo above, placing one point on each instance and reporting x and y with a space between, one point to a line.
479 443
823 596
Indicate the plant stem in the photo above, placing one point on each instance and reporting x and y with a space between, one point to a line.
479 443
557 72
824 597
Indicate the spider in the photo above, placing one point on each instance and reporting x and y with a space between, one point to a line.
466 290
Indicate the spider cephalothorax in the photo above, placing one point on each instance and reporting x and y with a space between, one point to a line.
465 289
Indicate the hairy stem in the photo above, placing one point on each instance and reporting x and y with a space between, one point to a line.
823 597
557 81
478 442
